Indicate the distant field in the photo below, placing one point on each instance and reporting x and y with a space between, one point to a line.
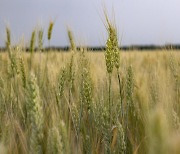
57 102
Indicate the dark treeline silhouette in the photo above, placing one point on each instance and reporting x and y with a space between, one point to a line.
102 48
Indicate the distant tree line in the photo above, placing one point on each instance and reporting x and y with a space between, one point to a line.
102 48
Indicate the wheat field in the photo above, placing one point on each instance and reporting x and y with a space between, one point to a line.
56 102
86 102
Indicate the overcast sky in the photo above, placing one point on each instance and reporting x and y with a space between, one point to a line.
138 21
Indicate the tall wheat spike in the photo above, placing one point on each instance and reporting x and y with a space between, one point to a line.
118 139
65 139
54 141
51 25
23 73
34 110
109 57
40 39
130 111
8 38
86 90
158 132
113 54
71 40
62 79
32 42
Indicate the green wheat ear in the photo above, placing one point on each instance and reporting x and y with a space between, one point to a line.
62 80
116 50
119 135
112 47
109 56
51 25
35 116
86 89
71 40
22 71
158 132
112 52
40 39
8 38
54 141
32 42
